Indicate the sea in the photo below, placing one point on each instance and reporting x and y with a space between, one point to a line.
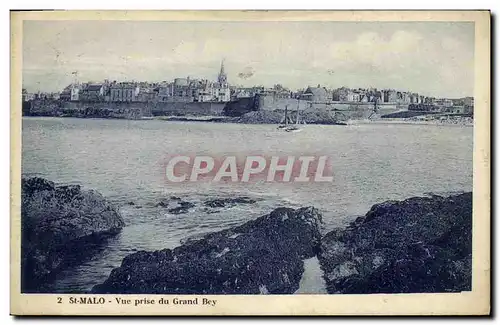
125 161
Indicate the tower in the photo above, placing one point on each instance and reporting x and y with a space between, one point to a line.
75 78
222 78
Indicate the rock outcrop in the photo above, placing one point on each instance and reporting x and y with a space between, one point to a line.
261 117
230 201
416 245
175 205
264 255
59 227
277 116
240 106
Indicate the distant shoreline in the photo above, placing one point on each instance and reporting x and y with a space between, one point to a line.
235 120
413 122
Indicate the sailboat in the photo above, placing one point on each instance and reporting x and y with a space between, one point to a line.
294 128
284 121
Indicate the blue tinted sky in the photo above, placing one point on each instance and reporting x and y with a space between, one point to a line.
432 58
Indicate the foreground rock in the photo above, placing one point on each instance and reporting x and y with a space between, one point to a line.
175 205
228 202
60 225
416 245
261 256
309 116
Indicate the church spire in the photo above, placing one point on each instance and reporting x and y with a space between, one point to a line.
222 74
222 67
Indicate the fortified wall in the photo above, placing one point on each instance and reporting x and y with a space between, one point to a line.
189 108
123 109
344 110
239 107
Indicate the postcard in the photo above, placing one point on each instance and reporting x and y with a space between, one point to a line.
250 163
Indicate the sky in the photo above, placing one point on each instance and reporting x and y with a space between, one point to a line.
431 58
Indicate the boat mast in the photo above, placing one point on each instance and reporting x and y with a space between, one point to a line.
297 121
286 116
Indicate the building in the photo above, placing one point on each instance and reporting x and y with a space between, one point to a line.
92 93
181 89
165 92
124 92
429 100
376 96
24 94
147 95
71 93
404 97
316 94
223 93
390 96
363 97
340 94
65 94
75 93
424 107
456 110
242 92
197 90
443 102
353 96
414 99
469 101
27 96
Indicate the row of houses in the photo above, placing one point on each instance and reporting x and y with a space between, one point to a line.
27 96
389 96
181 89
344 94
463 105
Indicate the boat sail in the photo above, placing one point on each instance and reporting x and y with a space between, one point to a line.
284 122
294 128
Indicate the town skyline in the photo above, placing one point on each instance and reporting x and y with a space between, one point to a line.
435 59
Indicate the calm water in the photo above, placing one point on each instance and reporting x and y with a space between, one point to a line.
123 160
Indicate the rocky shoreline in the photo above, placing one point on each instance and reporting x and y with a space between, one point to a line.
274 118
262 256
449 121
60 226
422 244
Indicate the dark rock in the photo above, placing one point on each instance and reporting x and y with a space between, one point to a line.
264 255
240 106
131 203
182 207
309 116
176 204
56 222
192 238
231 201
416 245
163 203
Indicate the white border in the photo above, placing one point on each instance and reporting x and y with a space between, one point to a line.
185 4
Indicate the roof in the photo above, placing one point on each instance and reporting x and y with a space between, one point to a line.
180 82
124 85
94 87
316 91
